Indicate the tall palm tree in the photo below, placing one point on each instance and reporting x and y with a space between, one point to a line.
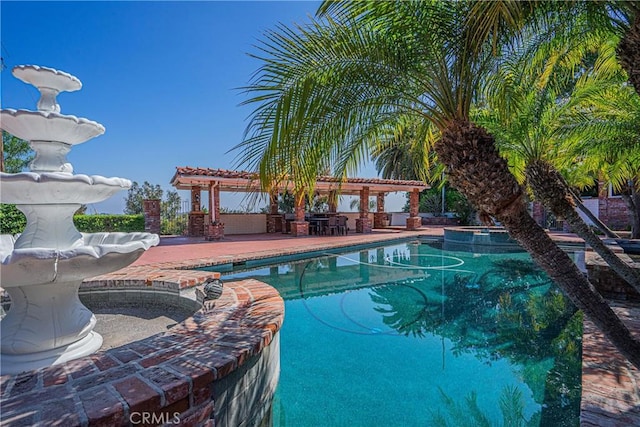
327 91
526 110
615 113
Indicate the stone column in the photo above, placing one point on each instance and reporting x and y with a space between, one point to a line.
299 227
380 218
414 221
363 224
152 220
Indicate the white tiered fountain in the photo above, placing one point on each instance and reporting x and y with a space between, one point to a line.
43 268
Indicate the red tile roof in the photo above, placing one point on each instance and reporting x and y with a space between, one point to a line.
209 173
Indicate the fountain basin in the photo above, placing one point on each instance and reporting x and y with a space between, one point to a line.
98 253
57 188
49 126
47 324
45 77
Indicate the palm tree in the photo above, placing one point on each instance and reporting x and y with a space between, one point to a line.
407 152
615 113
526 110
629 47
327 91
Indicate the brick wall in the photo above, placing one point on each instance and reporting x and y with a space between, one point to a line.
614 213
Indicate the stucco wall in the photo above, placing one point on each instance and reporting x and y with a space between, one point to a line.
244 223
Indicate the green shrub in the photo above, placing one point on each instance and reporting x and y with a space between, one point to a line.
109 223
175 226
12 221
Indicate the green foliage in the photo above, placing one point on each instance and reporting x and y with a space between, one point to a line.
286 203
172 221
109 223
12 221
137 194
16 152
431 202
17 155
175 225
170 207
468 413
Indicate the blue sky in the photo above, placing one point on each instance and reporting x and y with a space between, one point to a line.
162 77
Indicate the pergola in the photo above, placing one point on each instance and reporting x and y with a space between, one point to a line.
214 181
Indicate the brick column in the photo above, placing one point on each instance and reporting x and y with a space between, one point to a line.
152 221
364 202
196 216
380 218
195 199
363 224
414 221
216 203
215 229
299 227
196 224
274 219
273 203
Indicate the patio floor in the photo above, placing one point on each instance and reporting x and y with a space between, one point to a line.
610 385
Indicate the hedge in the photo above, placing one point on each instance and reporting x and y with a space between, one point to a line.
109 223
12 221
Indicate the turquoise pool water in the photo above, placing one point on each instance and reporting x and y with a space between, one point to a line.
410 335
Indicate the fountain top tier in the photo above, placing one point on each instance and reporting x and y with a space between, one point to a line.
50 133
49 82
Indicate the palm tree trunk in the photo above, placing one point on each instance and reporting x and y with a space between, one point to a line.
552 190
477 170
629 53
596 221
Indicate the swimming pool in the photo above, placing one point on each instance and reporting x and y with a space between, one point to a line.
411 335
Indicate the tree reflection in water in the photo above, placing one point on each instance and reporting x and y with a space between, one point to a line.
510 311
